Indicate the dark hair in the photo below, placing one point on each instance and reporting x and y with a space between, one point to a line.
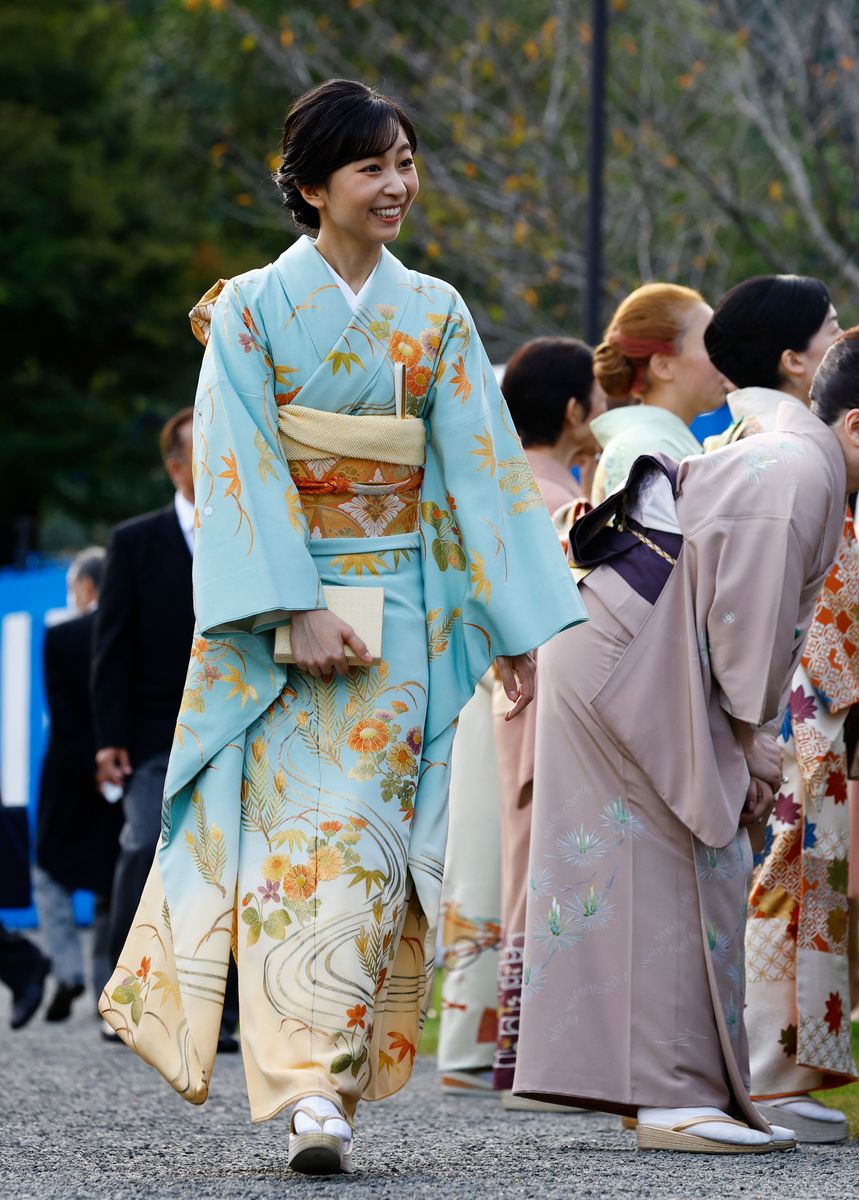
88 564
539 381
336 123
835 387
168 439
756 321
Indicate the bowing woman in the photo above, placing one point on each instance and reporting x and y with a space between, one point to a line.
651 764
349 436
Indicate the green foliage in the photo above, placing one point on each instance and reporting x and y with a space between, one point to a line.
139 137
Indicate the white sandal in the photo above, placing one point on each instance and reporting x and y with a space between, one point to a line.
806 1129
654 1137
318 1152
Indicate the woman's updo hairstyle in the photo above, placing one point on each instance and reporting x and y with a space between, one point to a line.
756 321
835 387
540 379
651 320
336 123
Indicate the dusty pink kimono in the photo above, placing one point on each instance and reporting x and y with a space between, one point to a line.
634 970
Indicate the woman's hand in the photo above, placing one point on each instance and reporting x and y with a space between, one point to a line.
758 804
517 679
764 760
319 640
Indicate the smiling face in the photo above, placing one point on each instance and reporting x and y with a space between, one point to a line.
365 202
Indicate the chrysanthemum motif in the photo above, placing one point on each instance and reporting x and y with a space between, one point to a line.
401 760
718 943
581 847
539 883
368 736
299 883
374 513
404 349
414 740
619 819
430 342
590 910
327 863
275 866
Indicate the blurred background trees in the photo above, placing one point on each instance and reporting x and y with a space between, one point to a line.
138 137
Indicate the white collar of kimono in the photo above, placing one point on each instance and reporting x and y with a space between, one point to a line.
353 299
649 419
758 402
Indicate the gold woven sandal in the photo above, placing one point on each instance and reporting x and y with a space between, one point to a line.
652 1137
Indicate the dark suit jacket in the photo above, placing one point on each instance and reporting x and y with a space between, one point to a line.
143 632
77 830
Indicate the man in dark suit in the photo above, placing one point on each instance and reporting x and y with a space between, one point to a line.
77 837
143 638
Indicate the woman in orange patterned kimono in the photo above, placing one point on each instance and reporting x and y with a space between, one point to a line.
768 335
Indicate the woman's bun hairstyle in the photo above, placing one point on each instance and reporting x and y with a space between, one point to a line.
649 321
756 321
336 123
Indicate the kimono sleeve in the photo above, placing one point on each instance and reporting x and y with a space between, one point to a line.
252 566
493 559
752 574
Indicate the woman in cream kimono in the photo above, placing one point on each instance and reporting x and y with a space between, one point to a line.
348 434
768 335
654 352
553 399
650 756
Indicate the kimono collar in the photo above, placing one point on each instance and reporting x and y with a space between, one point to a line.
303 273
544 466
653 422
794 417
759 402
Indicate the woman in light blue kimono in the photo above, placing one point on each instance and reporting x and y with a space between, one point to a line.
305 808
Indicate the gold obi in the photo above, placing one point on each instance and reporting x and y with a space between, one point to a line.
356 476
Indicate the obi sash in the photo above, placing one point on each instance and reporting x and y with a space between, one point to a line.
356 476
608 536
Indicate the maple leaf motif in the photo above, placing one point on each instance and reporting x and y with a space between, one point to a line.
802 707
834 1012
786 809
787 1040
836 787
400 1042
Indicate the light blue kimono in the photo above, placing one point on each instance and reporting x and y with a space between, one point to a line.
325 802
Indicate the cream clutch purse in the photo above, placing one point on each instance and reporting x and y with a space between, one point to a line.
362 608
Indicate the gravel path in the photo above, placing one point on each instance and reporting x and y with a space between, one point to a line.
80 1117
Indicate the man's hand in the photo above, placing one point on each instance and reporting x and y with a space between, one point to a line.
112 765
517 679
318 640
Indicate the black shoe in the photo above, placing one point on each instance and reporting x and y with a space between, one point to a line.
60 1008
227 1044
27 1000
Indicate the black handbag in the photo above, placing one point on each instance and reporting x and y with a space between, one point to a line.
14 857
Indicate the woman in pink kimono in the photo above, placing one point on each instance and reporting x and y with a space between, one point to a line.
768 335
553 397
651 761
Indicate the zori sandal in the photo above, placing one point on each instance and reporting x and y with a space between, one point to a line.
318 1152
652 1137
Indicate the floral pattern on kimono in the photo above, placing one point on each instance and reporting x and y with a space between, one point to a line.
266 760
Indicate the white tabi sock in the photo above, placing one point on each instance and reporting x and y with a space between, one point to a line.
808 1107
330 1118
666 1118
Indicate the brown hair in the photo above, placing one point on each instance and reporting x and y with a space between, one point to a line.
168 439
649 321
